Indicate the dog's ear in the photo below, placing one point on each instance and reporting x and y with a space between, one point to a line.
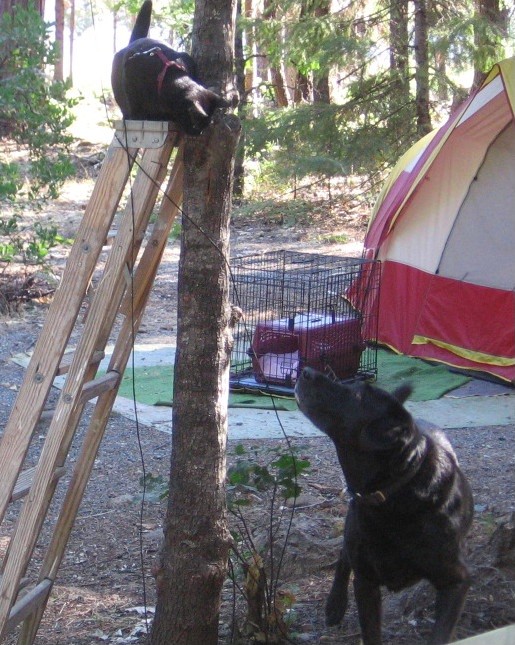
381 434
402 393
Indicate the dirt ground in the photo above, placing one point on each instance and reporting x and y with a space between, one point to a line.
105 582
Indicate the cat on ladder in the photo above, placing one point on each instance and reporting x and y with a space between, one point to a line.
153 82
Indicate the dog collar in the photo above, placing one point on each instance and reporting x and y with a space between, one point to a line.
379 497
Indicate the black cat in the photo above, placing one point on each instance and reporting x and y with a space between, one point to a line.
153 82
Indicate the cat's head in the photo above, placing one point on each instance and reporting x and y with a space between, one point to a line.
201 111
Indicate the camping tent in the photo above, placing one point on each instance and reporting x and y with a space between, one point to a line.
444 229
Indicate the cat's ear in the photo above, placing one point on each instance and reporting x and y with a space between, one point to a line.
198 108
208 102
219 102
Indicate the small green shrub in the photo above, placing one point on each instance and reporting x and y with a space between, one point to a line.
28 247
34 110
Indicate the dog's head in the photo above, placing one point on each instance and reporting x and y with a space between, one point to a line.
359 416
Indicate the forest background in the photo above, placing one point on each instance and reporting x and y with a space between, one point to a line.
329 89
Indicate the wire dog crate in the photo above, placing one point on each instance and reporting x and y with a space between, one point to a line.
303 309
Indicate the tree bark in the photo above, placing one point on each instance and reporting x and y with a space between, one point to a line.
276 73
239 56
72 39
422 69
488 39
399 50
59 40
321 88
193 560
7 6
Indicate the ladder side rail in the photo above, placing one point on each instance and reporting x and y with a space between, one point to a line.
143 280
69 406
61 315
143 225
169 209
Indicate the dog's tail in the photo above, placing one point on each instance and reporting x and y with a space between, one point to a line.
142 24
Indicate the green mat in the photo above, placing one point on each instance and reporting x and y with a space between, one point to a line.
429 382
154 385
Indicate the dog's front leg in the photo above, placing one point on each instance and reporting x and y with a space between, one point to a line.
337 600
368 599
449 605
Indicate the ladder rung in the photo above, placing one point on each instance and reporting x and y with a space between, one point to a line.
26 478
100 385
66 362
26 605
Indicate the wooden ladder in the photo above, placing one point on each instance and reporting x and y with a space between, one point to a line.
120 296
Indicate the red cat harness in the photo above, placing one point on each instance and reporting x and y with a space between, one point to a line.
166 64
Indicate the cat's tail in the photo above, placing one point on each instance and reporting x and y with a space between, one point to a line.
142 24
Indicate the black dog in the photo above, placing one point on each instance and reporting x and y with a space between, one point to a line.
153 82
410 503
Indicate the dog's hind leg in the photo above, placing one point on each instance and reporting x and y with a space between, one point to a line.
368 599
449 605
337 600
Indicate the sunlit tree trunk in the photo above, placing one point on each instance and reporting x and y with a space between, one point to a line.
276 73
59 40
72 38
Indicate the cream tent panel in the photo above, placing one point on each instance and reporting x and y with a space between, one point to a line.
481 247
440 194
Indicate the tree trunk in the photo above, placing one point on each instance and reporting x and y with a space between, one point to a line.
193 560
321 88
488 38
59 40
399 51
303 89
276 73
72 38
422 69
239 56
6 6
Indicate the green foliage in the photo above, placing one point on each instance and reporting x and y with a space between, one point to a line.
280 475
28 247
283 212
155 487
255 566
10 180
34 111
372 117
329 140
457 40
315 41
